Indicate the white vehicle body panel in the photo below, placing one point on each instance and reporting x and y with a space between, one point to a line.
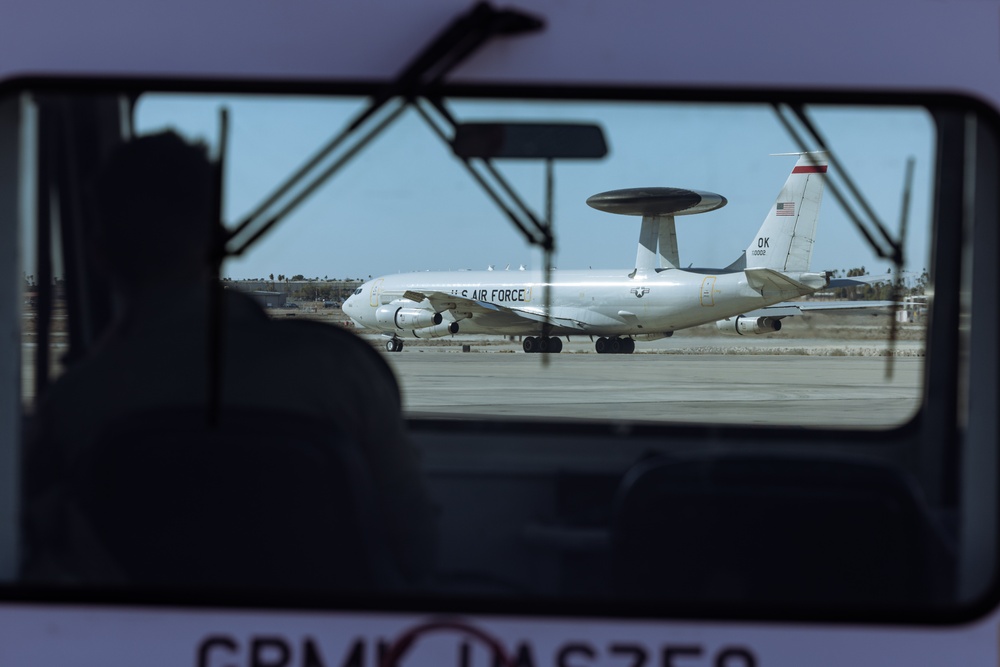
947 46
935 46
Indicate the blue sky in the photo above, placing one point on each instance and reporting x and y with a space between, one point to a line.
405 204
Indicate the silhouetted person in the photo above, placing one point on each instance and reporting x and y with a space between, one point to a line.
154 232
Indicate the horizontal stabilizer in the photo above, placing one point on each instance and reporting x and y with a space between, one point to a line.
770 283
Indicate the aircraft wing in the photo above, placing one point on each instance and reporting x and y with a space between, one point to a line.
441 301
792 308
489 314
908 278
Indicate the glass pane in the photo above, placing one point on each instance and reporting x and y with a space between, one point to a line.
405 215
707 270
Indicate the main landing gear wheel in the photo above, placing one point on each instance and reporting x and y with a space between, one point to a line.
615 345
543 344
393 345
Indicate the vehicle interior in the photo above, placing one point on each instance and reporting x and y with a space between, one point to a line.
722 486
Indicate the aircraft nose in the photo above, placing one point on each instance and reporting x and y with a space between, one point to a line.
353 305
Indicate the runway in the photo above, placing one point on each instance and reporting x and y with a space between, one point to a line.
843 385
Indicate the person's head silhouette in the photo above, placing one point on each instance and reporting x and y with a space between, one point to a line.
155 212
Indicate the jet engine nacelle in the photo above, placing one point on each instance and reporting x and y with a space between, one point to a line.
442 329
741 325
406 318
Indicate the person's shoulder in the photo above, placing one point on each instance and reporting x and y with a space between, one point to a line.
239 304
330 336
307 327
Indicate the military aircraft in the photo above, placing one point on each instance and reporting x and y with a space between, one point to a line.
646 302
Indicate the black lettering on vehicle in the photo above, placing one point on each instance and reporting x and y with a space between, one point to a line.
520 294
520 657
676 656
735 657
493 295
636 652
563 658
311 656
215 645
221 650
465 292
356 656
270 652
464 655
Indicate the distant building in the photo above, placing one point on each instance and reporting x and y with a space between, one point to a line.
269 299
298 290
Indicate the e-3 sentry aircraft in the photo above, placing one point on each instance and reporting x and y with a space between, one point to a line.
619 307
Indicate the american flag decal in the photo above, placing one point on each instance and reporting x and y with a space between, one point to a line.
786 208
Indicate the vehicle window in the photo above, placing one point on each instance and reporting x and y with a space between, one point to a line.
611 321
689 338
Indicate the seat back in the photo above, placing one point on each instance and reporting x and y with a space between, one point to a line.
771 531
263 500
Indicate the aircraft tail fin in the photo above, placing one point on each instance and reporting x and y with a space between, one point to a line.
785 240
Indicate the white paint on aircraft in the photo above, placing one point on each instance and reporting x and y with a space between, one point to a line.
649 301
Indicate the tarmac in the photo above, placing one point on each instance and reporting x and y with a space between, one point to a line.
718 380
822 372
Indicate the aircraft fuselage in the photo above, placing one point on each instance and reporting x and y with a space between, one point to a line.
595 302
651 301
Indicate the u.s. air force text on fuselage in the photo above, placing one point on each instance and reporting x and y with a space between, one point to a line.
496 295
